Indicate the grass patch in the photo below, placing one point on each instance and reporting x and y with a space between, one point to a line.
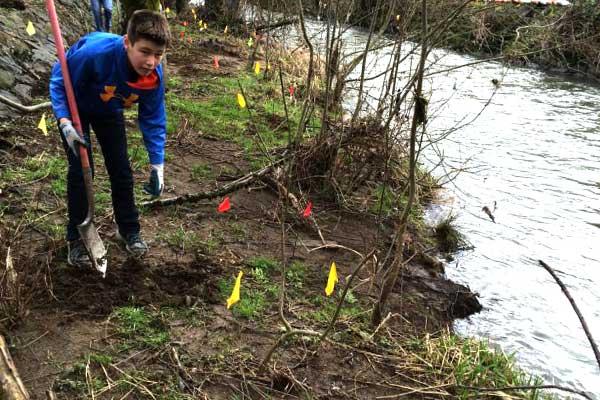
266 264
140 328
219 113
448 237
201 172
471 362
38 168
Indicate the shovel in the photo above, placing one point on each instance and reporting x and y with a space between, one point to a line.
87 230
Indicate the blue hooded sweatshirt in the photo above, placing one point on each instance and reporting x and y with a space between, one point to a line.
104 83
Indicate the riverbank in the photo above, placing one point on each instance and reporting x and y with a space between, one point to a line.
554 38
159 328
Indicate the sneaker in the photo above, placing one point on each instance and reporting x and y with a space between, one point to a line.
134 244
78 255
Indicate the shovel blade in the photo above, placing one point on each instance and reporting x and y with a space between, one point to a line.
94 246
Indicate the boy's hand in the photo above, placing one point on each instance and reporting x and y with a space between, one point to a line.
72 137
155 184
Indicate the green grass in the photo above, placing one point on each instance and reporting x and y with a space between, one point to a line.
38 167
266 264
201 171
253 300
218 114
181 239
448 237
140 327
471 362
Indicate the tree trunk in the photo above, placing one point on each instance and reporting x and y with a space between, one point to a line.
130 6
181 5
11 386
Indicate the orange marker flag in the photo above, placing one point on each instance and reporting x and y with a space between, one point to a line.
181 34
307 210
224 206
241 100
216 62
235 293
332 280
184 23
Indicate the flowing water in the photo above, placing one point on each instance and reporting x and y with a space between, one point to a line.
534 150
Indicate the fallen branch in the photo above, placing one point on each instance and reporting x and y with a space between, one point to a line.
11 386
269 27
574 305
228 188
23 108
282 338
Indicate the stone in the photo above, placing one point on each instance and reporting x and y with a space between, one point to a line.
7 79
24 92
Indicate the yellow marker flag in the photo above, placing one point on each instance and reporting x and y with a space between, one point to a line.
42 125
250 42
30 29
398 17
235 293
241 100
226 29
167 10
332 280
257 68
268 66
205 25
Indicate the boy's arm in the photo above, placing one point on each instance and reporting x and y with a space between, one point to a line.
80 68
153 124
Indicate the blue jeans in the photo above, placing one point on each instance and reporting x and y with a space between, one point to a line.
102 25
110 132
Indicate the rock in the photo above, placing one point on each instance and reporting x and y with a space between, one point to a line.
24 92
26 61
7 79
464 303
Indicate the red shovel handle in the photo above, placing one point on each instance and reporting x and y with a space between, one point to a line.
60 50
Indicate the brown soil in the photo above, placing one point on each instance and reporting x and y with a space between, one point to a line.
69 316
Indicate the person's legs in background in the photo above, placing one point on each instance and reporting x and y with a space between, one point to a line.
95 5
107 5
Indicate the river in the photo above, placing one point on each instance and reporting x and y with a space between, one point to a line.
535 151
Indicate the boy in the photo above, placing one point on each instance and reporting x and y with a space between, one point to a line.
109 73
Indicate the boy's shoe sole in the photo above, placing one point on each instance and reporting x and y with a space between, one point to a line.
134 253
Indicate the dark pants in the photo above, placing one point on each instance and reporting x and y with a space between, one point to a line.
110 132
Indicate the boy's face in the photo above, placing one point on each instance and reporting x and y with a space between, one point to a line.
144 55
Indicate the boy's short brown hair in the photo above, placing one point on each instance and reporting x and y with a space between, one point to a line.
149 25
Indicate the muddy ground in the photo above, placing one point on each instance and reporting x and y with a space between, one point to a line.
75 338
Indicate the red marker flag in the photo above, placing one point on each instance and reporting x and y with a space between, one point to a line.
181 34
224 206
307 210
184 23
216 62
291 89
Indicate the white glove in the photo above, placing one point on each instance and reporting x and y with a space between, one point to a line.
155 184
